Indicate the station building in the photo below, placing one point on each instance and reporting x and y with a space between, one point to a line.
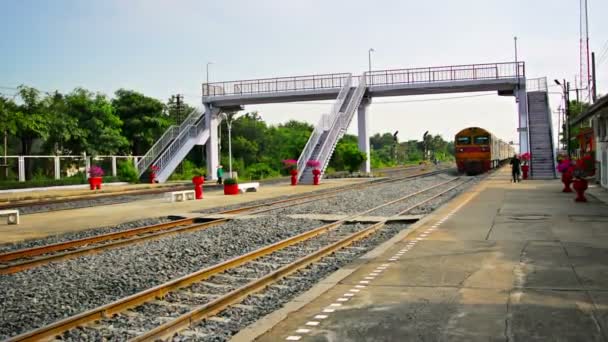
597 114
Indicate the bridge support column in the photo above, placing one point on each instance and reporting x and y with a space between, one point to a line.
362 119
212 123
522 99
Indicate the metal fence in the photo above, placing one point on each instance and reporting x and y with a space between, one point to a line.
536 84
13 168
450 73
276 85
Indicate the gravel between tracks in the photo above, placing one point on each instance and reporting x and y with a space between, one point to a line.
81 234
354 201
42 295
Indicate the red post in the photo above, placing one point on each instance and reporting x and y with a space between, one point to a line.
198 182
524 170
294 177
316 173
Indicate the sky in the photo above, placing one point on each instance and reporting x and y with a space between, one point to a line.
162 48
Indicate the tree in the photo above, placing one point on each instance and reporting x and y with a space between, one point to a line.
31 118
353 158
100 127
63 127
142 117
8 115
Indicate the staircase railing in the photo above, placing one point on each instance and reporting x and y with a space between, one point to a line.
188 132
171 133
341 124
326 121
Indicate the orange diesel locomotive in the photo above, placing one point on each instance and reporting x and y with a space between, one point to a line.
478 151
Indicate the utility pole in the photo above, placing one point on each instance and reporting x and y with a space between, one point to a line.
593 84
178 101
567 97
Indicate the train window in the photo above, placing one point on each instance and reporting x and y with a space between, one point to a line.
463 140
482 140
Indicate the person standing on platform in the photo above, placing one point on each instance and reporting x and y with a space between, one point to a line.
220 174
515 168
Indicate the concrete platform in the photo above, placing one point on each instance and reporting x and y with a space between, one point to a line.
501 262
57 222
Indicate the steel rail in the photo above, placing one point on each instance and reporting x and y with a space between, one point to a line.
160 229
76 198
212 308
136 299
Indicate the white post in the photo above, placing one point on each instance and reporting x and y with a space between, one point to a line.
135 160
230 147
212 122
113 166
87 165
363 134
21 165
522 99
57 168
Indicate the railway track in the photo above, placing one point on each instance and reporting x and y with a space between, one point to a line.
161 311
125 196
23 259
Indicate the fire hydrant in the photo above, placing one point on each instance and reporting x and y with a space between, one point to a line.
153 170
294 177
315 179
524 169
198 186
152 177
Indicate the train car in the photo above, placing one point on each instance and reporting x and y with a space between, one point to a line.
478 151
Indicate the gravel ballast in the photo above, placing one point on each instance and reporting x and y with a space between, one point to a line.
81 234
42 295
354 201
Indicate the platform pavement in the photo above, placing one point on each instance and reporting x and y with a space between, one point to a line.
63 221
502 262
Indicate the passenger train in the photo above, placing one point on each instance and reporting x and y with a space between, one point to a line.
478 151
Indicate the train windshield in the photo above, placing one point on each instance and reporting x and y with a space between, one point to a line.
482 140
463 140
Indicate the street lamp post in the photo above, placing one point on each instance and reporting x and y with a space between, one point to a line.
369 59
229 124
566 89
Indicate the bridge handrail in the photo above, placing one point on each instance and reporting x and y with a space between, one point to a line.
448 73
189 131
342 123
171 133
328 120
536 84
276 84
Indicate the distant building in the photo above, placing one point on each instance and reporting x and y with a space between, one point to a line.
598 115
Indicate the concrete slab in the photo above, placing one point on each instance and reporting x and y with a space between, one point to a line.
503 262
51 223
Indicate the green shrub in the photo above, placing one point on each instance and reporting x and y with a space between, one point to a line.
126 172
260 171
230 181
188 170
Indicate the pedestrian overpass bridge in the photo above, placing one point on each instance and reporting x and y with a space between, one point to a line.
353 94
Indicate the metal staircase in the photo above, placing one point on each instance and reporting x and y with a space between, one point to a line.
329 131
173 146
541 136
